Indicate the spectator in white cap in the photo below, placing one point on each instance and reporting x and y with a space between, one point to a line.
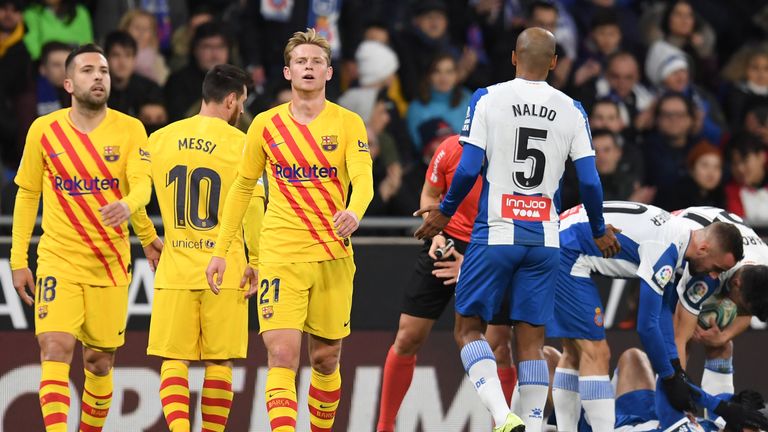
667 67
377 65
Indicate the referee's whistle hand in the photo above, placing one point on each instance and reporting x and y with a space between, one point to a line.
433 223
216 267
608 244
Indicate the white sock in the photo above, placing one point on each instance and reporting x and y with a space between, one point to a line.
718 376
515 403
534 386
615 380
480 365
565 395
597 398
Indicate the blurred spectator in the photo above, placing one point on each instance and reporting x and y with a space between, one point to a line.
702 187
756 123
150 63
17 109
418 44
545 14
747 193
182 37
107 15
618 181
372 106
667 67
440 96
621 83
584 12
605 115
129 90
604 39
681 27
266 25
210 46
432 133
667 145
49 88
56 20
377 64
750 86
152 114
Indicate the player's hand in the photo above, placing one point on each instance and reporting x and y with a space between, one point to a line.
345 222
438 241
739 417
678 392
114 214
251 277
449 270
608 243
712 337
216 267
433 223
152 252
24 283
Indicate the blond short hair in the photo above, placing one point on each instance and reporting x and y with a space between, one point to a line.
309 37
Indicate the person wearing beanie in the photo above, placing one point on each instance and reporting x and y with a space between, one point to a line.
377 65
668 68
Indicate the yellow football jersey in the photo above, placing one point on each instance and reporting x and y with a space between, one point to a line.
77 174
308 171
193 168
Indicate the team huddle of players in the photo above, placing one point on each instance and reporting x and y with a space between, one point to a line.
526 265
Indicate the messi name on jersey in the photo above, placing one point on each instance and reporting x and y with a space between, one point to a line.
201 144
80 186
298 173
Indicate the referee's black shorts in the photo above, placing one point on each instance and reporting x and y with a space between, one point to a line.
425 295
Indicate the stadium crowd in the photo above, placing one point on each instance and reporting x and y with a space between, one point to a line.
677 95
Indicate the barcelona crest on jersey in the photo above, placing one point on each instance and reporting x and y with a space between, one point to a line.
111 153
330 142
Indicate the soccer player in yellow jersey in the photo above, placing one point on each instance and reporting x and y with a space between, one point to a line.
92 169
312 150
192 171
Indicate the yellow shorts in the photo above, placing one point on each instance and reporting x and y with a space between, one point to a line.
314 297
96 315
198 324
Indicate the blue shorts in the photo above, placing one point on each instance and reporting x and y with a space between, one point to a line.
526 273
636 407
578 310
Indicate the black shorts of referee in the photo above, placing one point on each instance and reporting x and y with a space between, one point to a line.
426 295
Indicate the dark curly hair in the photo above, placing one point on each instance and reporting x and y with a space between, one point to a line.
754 290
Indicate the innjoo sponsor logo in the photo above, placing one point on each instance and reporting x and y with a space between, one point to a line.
525 208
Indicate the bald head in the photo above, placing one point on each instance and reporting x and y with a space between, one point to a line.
534 50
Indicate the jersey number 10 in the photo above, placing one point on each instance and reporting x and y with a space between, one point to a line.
187 189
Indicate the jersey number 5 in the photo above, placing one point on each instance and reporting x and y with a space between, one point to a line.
187 190
523 153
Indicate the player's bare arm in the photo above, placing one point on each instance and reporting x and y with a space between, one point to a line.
715 337
685 327
250 277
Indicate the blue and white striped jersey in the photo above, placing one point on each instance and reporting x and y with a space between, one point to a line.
653 243
694 290
527 129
